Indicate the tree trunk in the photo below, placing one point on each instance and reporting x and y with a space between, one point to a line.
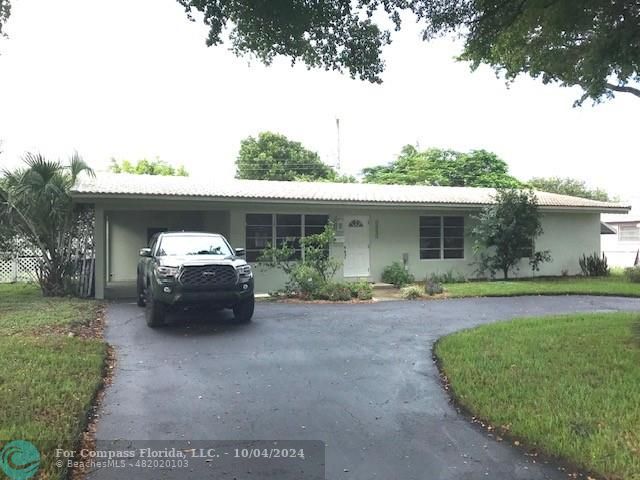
505 272
52 281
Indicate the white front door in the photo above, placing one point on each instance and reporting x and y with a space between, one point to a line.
356 245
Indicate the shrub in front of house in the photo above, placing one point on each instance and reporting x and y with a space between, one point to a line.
411 292
594 265
446 277
305 281
311 278
362 290
396 275
335 292
632 274
432 288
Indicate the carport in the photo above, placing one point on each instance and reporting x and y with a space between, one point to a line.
127 230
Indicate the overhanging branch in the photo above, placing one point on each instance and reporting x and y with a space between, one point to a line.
624 89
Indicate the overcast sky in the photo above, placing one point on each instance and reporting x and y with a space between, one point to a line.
133 78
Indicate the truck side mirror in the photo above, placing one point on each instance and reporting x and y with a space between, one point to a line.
239 252
145 252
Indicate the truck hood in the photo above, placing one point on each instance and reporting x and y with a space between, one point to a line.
199 260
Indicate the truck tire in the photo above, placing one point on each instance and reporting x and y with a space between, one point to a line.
154 312
243 311
140 294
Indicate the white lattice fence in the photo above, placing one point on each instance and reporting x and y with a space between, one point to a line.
17 269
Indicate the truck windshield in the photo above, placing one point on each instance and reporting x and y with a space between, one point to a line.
191 245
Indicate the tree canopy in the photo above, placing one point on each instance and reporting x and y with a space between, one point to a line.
568 186
332 34
148 167
505 233
435 166
272 156
592 44
5 10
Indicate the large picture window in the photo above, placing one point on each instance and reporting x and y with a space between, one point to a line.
263 229
441 237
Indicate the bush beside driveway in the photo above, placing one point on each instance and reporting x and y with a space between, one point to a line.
48 379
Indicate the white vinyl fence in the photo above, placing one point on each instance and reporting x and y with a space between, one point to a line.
16 268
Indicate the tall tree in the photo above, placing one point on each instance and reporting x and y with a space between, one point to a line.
434 166
506 231
36 206
592 44
148 167
272 156
568 186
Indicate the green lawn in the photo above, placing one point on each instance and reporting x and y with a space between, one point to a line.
47 380
612 285
567 385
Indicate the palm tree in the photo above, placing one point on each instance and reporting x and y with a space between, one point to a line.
35 204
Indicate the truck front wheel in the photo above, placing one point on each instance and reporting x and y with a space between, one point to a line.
140 293
243 311
154 312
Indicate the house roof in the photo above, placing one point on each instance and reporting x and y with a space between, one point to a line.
632 217
122 185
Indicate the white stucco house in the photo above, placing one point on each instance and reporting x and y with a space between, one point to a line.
425 227
621 242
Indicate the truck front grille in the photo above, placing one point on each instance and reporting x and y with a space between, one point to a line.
212 276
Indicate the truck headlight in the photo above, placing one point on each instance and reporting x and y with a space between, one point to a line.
167 272
245 272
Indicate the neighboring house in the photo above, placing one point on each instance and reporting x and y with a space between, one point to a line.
622 245
425 227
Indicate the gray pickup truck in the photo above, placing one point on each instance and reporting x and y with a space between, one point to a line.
181 269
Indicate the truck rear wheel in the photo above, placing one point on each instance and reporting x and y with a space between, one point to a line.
243 311
154 312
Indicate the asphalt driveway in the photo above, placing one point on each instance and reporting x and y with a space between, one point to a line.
359 377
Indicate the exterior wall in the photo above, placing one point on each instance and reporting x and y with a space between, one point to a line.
392 232
567 236
620 253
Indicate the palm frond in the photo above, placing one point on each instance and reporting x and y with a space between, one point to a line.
37 163
77 165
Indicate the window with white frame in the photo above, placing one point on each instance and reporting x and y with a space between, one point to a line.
264 229
289 231
629 233
441 237
259 234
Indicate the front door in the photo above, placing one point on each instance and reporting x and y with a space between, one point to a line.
356 245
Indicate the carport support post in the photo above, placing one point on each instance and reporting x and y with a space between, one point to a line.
100 253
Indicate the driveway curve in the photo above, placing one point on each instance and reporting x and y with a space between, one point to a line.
357 376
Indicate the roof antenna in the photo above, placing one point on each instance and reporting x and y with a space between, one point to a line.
338 143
